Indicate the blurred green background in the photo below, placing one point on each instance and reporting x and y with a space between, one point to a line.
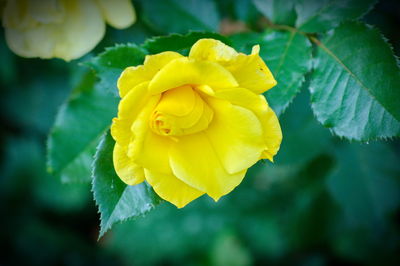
325 201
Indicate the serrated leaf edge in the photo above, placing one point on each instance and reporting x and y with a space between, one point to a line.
314 61
105 228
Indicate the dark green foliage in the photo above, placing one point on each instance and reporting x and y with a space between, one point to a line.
175 16
366 183
279 12
322 15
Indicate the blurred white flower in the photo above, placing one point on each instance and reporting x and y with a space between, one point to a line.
65 29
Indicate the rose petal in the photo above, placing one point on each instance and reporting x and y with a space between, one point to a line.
236 135
118 13
257 103
212 50
184 71
80 32
251 72
132 76
126 169
194 161
153 153
46 11
171 189
128 109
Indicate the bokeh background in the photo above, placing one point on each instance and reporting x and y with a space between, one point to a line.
325 201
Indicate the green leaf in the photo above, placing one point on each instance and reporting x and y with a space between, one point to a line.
116 200
80 169
245 10
365 183
278 11
179 43
87 114
175 16
288 55
79 124
110 64
322 15
304 137
355 87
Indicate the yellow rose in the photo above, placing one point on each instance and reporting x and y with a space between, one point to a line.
194 125
65 29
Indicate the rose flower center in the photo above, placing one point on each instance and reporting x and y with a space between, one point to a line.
180 111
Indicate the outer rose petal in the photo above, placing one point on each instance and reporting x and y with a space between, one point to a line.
127 170
128 109
118 13
154 153
250 71
236 135
212 50
120 131
272 133
194 161
157 61
184 71
257 104
131 105
140 127
171 188
132 76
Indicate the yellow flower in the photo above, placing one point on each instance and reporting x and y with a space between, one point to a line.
66 29
194 125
